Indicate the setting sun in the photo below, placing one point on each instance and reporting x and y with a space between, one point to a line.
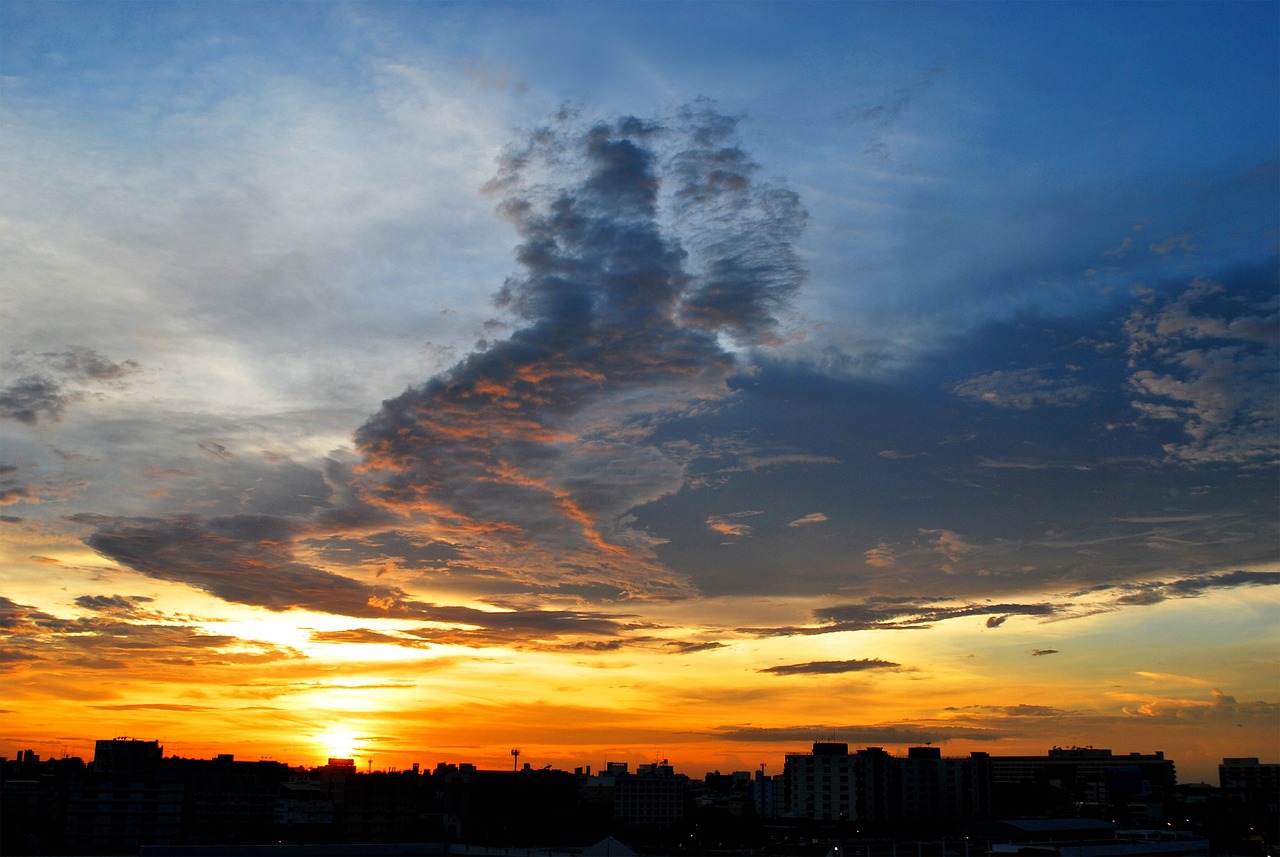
339 743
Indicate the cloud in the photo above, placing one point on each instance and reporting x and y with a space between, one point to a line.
903 613
880 556
27 399
685 648
1023 389
753 462
245 559
1209 359
1220 706
885 613
641 243
86 364
153 706
115 639
861 734
879 122
365 635
1018 711
726 525
11 493
248 559
811 518
118 604
832 667
43 393
1146 594
1035 653
1192 586
1024 710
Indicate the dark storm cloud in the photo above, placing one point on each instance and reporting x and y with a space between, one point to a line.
832 667
640 242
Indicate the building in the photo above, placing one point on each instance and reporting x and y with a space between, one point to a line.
652 797
820 785
873 787
1250 775
1255 787
933 788
1084 779
125 800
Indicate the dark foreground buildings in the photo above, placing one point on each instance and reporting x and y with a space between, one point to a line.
131 796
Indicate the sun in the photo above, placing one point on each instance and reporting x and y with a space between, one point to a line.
338 743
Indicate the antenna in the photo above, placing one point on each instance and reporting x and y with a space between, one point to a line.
515 758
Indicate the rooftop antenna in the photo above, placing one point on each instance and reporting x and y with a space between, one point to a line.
515 758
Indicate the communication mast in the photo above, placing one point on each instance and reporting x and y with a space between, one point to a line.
515 759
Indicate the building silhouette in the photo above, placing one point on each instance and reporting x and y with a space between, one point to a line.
130 796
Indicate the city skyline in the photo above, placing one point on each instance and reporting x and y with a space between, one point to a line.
693 381
602 767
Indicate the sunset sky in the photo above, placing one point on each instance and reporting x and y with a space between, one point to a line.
620 382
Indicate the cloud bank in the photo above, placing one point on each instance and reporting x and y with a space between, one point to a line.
642 245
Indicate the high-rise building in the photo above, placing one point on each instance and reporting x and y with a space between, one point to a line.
820 785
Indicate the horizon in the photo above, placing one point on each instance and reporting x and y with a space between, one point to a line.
647 380
364 764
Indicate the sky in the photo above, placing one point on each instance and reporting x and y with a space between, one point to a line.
416 382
